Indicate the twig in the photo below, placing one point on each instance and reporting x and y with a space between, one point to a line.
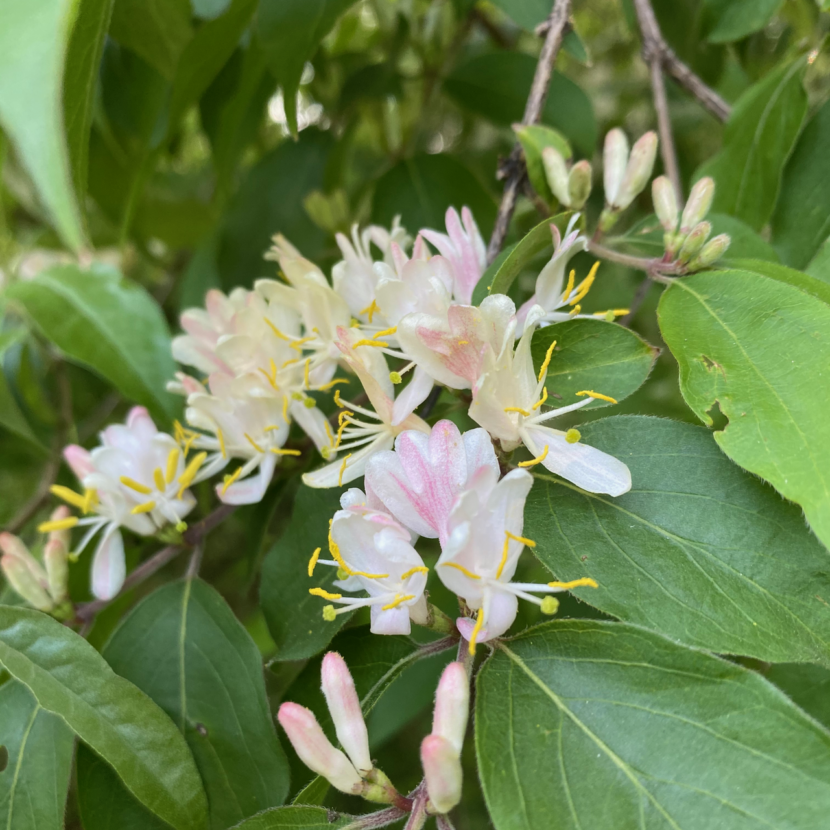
636 301
444 823
656 49
661 105
656 269
557 26
380 819
195 561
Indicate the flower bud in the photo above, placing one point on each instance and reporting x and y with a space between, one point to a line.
24 573
442 771
56 557
665 203
315 749
452 705
638 171
557 174
614 160
713 250
700 200
694 241
579 184
344 706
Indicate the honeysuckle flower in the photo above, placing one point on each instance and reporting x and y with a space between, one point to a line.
463 247
360 428
375 554
420 481
295 267
509 402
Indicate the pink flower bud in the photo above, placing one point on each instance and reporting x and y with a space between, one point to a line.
23 572
638 170
56 557
614 160
315 749
452 706
442 770
665 203
557 174
344 705
700 200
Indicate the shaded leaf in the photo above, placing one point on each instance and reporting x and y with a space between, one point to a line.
732 332
818 288
11 416
729 20
295 818
535 138
819 266
698 549
640 732
69 678
807 686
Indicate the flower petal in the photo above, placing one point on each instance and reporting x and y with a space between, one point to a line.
108 565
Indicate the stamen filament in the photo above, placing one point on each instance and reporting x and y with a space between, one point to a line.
399 599
343 470
476 630
253 443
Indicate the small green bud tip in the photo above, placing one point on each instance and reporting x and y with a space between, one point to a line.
297 396
610 316
326 453
309 403
341 574
395 377
328 613
572 436
181 527
73 557
579 184
550 605
694 241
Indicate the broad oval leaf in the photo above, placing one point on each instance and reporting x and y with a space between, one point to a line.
801 221
69 678
33 39
806 685
109 324
760 348
758 139
35 781
728 20
534 138
818 288
698 549
183 646
296 817
592 354
636 731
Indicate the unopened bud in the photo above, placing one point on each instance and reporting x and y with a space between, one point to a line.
24 573
442 771
614 160
56 557
344 706
579 184
557 174
694 241
315 749
665 203
452 705
638 170
712 251
700 200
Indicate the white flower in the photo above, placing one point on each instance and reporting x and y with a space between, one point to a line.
377 556
508 401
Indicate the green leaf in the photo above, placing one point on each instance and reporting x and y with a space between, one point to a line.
108 324
801 221
33 40
807 686
184 648
69 678
156 30
35 782
818 288
420 190
732 332
295 817
83 58
637 731
592 354
495 85
534 139
11 416
289 32
104 802
698 549
819 266
729 20
285 583
757 142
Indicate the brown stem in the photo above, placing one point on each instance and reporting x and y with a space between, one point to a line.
556 28
371 821
661 105
656 269
636 301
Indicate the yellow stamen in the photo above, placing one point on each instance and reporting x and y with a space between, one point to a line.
186 478
285 410
418 569
616 312
596 395
58 524
585 582
134 485
285 452
253 443
570 286
319 592
90 499
337 398
476 630
534 461
463 342
290 362
575 310
546 361
383 333
507 537
329 614
158 480
542 399
397 601
329 433
371 310
143 508
313 561
517 409
230 479
221 437
572 436
523 539
298 344
342 470
395 377
305 374
173 462
276 330
378 344
585 285
326 386
461 568
69 496
335 552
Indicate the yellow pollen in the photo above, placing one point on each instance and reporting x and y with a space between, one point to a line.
173 463
143 508
230 479
570 286
254 443
463 342
523 539
319 592
57 524
298 344
534 461
313 561
326 386
585 285
596 395
418 569
342 470
378 344
276 330
335 552
285 410
575 310
542 399
69 496
584 582
186 478
134 485
371 310
305 374
285 452
461 568
90 499
572 436
612 312
290 362
337 398
329 614
395 377
158 479
383 333
517 409
399 599
546 361
476 630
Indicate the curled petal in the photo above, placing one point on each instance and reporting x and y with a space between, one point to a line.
109 567
502 612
